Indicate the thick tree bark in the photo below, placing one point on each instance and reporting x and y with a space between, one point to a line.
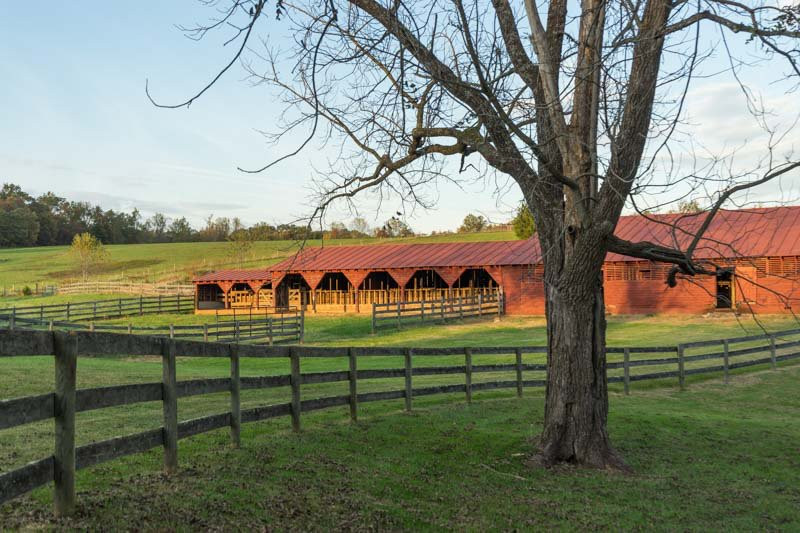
576 408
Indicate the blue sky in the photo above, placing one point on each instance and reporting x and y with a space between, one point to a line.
75 120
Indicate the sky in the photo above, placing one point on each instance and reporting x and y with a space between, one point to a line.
75 120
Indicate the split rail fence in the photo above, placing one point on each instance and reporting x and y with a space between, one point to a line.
396 314
63 403
101 309
274 328
127 287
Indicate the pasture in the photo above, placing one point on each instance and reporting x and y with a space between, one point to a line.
713 457
446 464
177 261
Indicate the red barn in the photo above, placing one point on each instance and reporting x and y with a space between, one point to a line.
756 254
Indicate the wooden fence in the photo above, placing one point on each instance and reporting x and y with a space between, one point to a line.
275 328
127 287
63 403
398 313
99 309
30 289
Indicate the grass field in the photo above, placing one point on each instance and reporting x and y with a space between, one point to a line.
175 261
714 457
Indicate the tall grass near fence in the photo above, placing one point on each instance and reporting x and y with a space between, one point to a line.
420 372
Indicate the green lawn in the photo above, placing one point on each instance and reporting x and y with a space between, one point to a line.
714 457
174 261
638 330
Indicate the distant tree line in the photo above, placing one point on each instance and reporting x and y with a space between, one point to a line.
49 219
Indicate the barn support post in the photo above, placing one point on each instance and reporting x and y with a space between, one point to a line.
66 358
398 315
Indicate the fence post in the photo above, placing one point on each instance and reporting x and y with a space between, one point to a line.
295 382
270 331
171 331
772 352
50 326
130 328
169 392
91 325
302 325
141 305
119 307
627 366
408 372
236 405
179 303
518 354
41 313
468 373
68 311
94 310
205 332
725 367
373 318
13 323
159 304
353 377
236 332
398 314
66 352
681 371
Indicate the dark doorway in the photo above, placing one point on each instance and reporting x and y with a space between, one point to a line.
725 288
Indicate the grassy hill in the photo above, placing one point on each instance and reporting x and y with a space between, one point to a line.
175 261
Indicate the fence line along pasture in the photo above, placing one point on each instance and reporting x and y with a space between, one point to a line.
274 328
66 400
109 308
395 314
127 287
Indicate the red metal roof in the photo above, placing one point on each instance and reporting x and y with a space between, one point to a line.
373 257
757 232
235 276
744 233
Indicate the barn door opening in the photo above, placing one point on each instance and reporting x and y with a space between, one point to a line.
725 288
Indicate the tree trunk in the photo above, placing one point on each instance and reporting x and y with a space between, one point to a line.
576 405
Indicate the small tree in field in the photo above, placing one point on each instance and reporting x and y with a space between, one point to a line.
241 243
472 224
523 222
88 252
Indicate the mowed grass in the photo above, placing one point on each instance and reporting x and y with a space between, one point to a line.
714 457
176 261
623 330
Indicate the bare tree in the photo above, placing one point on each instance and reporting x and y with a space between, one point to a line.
575 101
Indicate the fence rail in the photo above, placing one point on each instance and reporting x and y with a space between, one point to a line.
275 328
397 314
127 287
66 400
100 309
